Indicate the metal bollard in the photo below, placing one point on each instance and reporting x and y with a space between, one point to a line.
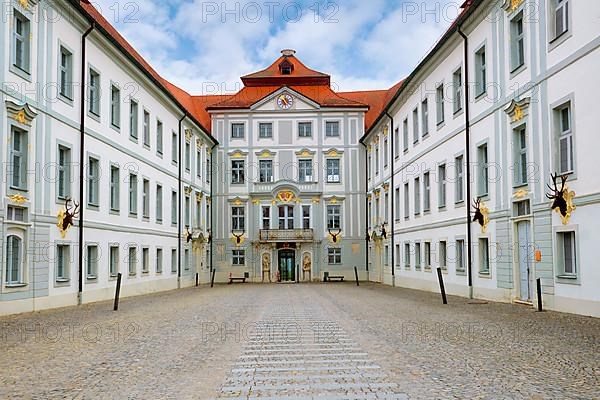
442 288
539 293
356 275
196 279
117 292
212 279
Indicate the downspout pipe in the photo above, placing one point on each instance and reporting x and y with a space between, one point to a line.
468 160
82 160
391 216
366 211
212 231
179 191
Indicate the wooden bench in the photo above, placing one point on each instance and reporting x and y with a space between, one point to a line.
232 279
338 278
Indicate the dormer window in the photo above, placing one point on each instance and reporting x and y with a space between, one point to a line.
286 68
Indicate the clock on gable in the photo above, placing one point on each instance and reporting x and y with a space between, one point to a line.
285 101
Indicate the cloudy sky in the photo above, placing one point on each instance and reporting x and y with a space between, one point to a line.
205 46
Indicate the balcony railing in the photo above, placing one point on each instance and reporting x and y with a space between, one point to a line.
286 235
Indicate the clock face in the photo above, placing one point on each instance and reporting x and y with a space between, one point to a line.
285 101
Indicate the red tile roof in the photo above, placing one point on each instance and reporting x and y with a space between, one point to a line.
300 74
376 99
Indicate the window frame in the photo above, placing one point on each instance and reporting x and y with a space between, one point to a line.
63 172
332 177
65 73
265 171
23 70
94 108
93 181
334 255
115 106
302 132
336 133
481 71
238 172
269 132
236 128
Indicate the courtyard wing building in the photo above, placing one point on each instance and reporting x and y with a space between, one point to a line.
288 180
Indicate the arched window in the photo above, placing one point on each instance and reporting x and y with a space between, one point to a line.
14 259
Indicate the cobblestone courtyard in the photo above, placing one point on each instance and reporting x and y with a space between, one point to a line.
334 341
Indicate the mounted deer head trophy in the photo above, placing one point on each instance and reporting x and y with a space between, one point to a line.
334 233
481 214
562 198
67 216
238 238
383 231
368 238
189 235
209 237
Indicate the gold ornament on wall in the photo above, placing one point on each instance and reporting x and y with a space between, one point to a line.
18 198
285 196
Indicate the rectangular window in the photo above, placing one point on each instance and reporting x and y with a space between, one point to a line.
561 17
480 72
186 259
517 42
460 255
334 256
567 254
21 41
237 131
91 262
484 256
265 130
415 118
417 256
65 75
442 186
174 207
386 255
407 255
198 164
146 132
386 207
133 194
566 163
132 261
265 170
266 217
459 184
332 128
198 216
439 103
334 216
146 198
305 170
333 170
115 106
173 261
305 129
145 260
114 187
483 170
376 159
113 261
417 196
208 169
406 201
426 192
188 156
159 203
14 260
397 204
94 92
187 210
520 154
425 118
457 90
64 172
93 181
15 214
239 257
442 255
405 135
62 263
159 137
238 218
427 255
385 153
174 147
159 261
133 119
237 171
305 217
397 142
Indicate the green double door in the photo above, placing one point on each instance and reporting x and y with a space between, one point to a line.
287 268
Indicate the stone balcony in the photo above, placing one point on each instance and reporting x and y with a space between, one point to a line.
270 187
286 235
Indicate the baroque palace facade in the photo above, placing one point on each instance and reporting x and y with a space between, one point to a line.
109 168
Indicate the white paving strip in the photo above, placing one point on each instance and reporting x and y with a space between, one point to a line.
301 355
